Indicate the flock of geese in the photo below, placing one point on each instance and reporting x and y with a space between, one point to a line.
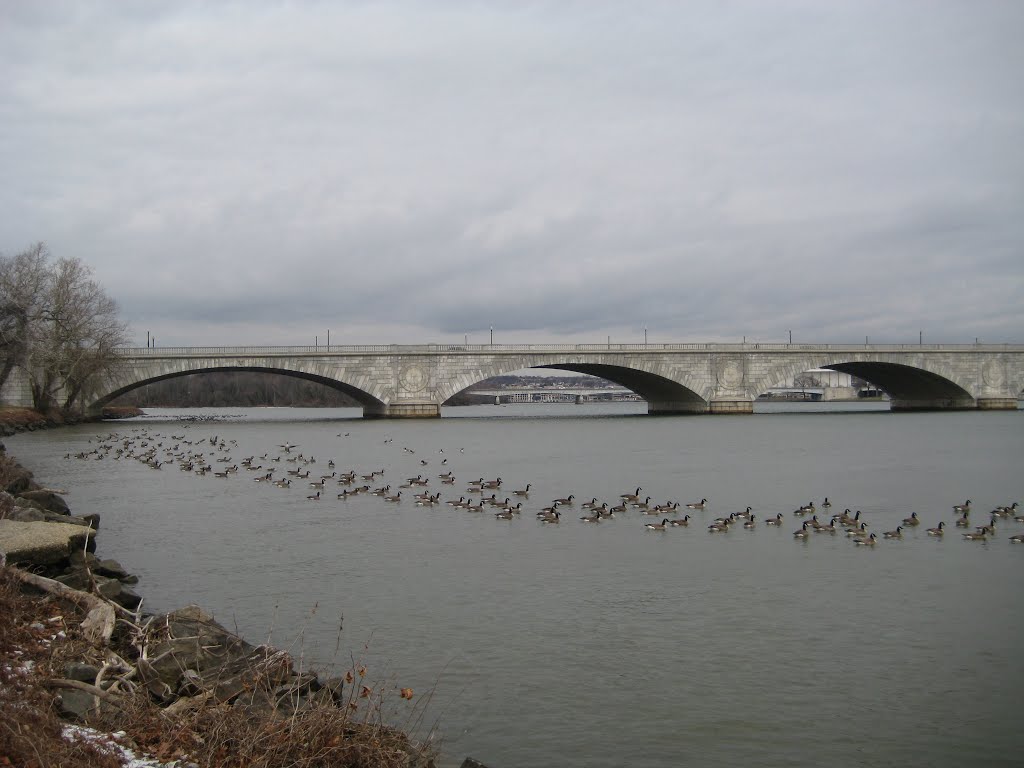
288 469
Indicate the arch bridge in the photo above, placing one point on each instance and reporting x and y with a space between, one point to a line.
401 381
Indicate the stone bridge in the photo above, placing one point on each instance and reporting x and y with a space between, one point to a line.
415 381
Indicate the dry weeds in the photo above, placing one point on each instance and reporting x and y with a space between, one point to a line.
346 731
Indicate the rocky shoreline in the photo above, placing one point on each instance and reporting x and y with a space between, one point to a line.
182 664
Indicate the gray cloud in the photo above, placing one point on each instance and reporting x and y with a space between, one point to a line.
259 173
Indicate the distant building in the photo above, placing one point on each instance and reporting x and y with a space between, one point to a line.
826 377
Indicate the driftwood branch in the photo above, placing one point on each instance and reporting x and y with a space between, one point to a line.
57 682
98 624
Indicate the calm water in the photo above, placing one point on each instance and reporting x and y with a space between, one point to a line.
607 645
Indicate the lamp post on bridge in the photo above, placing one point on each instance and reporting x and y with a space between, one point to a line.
790 336
492 335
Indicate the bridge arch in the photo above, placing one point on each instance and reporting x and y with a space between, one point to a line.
910 387
364 398
663 394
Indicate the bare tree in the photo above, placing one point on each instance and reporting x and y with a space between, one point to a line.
63 327
806 380
23 281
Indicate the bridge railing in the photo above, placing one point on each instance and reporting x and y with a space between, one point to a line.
400 349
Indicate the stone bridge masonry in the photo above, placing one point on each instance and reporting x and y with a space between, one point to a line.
399 381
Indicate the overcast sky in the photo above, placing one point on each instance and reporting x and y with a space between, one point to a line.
409 172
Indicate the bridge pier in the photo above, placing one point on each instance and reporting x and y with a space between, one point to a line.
997 403
403 411
731 405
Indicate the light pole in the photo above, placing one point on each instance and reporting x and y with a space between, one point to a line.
790 336
645 335
920 338
492 335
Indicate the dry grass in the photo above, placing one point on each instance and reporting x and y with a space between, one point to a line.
15 417
30 731
247 733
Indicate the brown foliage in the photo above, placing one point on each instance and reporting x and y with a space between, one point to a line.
324 731
30 731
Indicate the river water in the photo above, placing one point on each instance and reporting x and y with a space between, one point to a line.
608 644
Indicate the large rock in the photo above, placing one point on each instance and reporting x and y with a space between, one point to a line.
41 543
48 500
32 511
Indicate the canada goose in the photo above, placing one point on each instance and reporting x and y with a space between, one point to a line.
1017 538
846 519
777 520
912 520
870 541
458 503
975 536
897 534
859 530
523 491
806 510
496 483
512 510
697 504
803 533
592 504
1009 510
826 503
631 496
593 517
645 504
505 514
963 521
448 480
286 483
618 509
965 507
749 524
314 497
548 510
936 531
396 497
657 526
719 526
830 528
555 517
565 501
681 522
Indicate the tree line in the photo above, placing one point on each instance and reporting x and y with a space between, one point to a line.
244 389
57 325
